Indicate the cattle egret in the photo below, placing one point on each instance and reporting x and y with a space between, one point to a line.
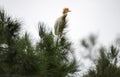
60 23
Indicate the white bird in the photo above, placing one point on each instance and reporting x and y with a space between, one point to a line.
60 23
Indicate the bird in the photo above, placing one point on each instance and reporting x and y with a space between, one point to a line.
60 23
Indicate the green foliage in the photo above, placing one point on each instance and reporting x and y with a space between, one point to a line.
9 30
49 57
89 46
53 55
106 64
18 57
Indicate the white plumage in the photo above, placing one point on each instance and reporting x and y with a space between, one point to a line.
60 23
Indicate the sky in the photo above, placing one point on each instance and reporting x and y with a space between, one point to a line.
101 17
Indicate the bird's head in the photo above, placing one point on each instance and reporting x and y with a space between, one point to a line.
66 10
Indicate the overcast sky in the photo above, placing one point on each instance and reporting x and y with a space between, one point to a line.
101 17
88 16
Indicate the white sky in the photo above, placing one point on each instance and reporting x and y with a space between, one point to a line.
101 17
88 16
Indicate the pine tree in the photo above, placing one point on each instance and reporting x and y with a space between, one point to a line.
9 31
53 54
89 45
106 65
18 57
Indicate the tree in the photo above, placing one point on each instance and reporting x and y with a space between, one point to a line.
53 54
9 31
89 46
106 65
18 57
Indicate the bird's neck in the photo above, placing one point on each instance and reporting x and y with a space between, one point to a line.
64 16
